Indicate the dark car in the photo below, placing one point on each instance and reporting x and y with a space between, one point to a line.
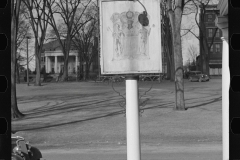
22 150
197 76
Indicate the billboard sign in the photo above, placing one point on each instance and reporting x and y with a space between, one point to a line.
128 47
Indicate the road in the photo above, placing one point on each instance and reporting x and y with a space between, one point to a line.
199 152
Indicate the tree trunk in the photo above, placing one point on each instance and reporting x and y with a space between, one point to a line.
172 68
17 73
38 71
88 65
205 57
207 65
179 84
175 19
65 69
168 69
15 113
66 51
171 52
38 65
80 68
86 71
205 49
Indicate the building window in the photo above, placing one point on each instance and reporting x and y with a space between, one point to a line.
217 47
210 32
209 18
218 33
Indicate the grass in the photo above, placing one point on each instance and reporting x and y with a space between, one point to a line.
88 115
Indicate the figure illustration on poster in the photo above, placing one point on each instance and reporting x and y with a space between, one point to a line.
118 39
144 33
130 38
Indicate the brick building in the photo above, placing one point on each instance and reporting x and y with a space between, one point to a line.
215 55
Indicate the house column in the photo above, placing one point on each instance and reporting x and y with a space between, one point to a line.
49 64
76 63
46 64
55 65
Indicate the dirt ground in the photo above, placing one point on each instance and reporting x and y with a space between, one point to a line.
85 119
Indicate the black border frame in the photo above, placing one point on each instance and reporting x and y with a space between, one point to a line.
234 66
5 70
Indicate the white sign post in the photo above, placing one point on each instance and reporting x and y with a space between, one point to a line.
132 119
130 47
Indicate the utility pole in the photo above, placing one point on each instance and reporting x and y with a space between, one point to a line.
99 65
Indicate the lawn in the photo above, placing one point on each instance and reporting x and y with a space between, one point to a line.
87 115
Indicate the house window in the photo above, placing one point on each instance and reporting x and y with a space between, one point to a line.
209 18
217 47
210 32
218 33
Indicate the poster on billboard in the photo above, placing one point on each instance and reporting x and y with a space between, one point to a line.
127 46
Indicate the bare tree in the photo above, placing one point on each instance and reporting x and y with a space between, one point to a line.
167 35
15 9
192 54
21 60
85 40
39 17
201 5
175 11
167 42
23 31
67 10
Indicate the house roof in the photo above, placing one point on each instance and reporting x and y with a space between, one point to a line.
54 45
51 46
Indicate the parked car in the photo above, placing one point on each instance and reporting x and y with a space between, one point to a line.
197 76
22 150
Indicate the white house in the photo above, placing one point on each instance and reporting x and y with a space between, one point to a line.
53 61
52 58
